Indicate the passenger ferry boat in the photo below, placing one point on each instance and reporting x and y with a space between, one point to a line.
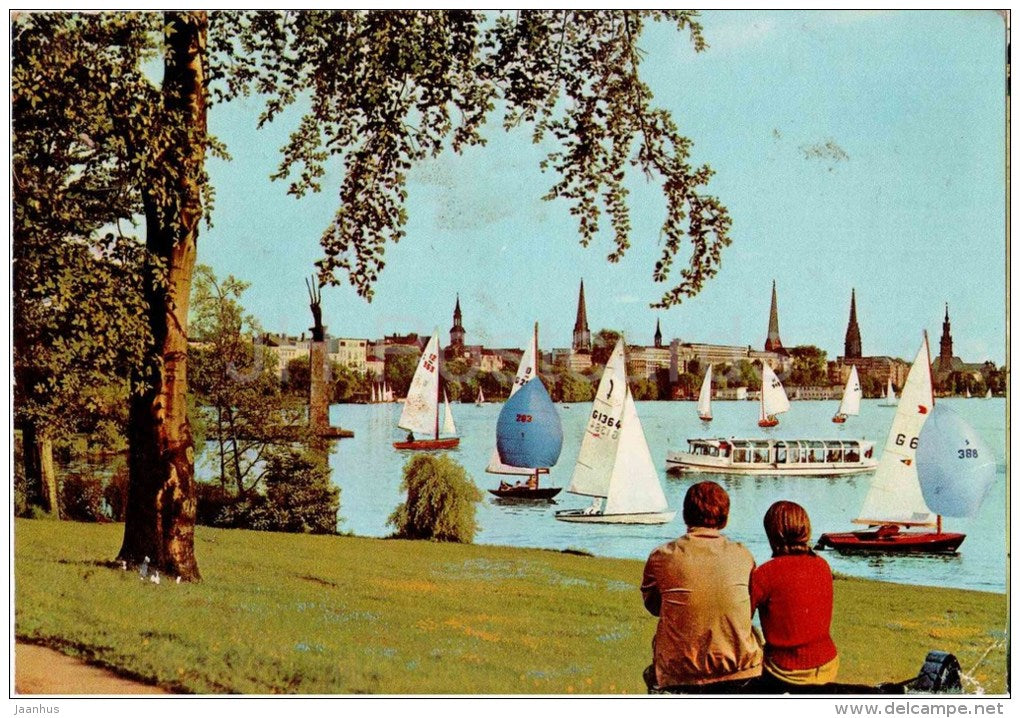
788 457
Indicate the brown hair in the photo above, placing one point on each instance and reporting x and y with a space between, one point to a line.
706 505
788 527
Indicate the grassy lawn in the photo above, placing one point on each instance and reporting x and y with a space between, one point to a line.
280 613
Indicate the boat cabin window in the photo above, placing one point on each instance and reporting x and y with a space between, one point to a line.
780 452
833 451
852 452
815 452
761 452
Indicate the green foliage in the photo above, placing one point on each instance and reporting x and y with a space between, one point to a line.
298 498
81 498
575 387
744 373
645 390
399 371
440 503
688 385
390 89
809 367
603 344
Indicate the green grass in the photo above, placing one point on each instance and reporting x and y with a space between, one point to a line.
280 613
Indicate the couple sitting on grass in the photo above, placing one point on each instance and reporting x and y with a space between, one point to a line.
705 588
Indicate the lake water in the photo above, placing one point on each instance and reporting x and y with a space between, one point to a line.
368 471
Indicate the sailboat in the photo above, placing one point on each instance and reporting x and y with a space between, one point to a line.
918 476
527 429
889 396
773 397
614 464
387 393
481 397
966 392
421 408
850 404
705 397
988 394
375 396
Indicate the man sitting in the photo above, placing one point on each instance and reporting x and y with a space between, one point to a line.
698 587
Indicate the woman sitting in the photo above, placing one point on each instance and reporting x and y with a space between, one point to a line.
792 593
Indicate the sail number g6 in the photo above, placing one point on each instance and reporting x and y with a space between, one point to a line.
901 439
967 453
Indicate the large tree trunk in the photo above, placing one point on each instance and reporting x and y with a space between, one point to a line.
160 521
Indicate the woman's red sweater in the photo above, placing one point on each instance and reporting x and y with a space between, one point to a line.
793 597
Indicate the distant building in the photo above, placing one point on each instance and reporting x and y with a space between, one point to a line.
582 336
707 354
456 347
852 342
946 364
352 353
772 341
286 348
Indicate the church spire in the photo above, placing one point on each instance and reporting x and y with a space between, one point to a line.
852 343
946 344
582 337
772 341
658 334
457 330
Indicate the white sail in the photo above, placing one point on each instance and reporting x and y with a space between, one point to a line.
387 393
966 393
988 394
481 397
895 494
773 396
955 467
526 371
634 486
597 458
449 428
705 396
421 408
375 397
889 397
850 405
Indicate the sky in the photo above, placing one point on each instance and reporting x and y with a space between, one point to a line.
858 150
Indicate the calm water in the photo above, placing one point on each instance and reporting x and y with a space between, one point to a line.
368 471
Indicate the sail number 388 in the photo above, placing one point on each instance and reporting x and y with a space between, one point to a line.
967 453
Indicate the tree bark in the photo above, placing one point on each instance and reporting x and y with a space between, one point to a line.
160 521
40 476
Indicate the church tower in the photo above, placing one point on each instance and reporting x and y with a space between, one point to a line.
852 343
772 341
658 335
582 337
946 345
457 331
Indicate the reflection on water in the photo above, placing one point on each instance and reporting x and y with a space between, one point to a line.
368 471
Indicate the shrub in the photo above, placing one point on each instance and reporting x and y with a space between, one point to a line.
440 503
115 493
298 498
81 498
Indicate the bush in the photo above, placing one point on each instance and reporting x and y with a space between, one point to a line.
116 493
440 503
81 498
298 498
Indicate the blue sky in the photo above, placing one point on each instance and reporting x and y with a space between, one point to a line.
857 150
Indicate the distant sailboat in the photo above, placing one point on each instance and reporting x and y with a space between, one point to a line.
614 465
933 464
527 430
387 393
705 397
966 392
988 394
421 408
481 397
773 397
850 404
889 396
375 396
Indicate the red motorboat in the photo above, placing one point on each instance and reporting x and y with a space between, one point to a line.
427 444
889 539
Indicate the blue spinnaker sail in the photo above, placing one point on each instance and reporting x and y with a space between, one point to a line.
528 431
954 465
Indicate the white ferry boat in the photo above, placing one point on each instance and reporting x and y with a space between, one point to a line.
787 457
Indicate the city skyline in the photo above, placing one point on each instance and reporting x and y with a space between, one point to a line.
855 151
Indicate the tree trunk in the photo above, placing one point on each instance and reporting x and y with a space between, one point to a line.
160 520
40 476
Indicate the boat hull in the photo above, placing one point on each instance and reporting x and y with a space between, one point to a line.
427 444
523 493
678 462
578 516
898 543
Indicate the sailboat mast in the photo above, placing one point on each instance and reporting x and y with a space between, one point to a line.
438 376
931 383
536 378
